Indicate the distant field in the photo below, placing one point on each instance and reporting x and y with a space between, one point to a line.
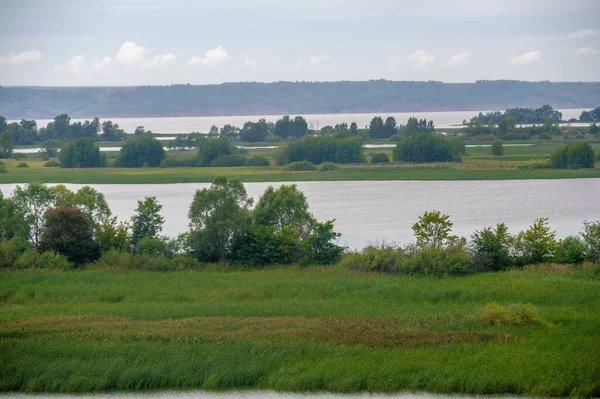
298 330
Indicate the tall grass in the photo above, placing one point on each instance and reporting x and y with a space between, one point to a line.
299 329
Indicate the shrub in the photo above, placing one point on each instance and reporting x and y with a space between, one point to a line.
423 147
136 152
32 259
573 156
381 257
380 158
491 248
323 149
497 148
263 245
453 260
52 164
115 259
570 250
210 149
82 153
320 248
301 166
518 315
229 160
591 238
327 166
395 138
151 246
257 160
22 165
536 245
11 250
545 136
273 139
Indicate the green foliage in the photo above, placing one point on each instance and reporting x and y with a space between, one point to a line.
229 160
395 138
383 130
520 115
381 257
83 153
433 230
452 260
253 132
320 247
518 315
591 237
257 160
590 116
573 156
69 232
136 152
323 149
380 158
421 148
147 220
87 199
286 127
22 165
151 246
414 126
118 260
219 216
491 248
497 148
537 244
32 259
3 168
571 249
211 149
52 164
32 202
11 249
110 234
327 167
265 245
301 166
284 207
7 144
12 220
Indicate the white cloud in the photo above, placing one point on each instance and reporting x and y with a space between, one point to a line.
20 58
212 58
526 58
421 59
250 62
459 59
73 65
102 63
158 60
585 51
130 54
317 59
582 33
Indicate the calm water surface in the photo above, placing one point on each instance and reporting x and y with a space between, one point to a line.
203 123
366 211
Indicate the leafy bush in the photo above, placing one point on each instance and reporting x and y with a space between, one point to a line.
497 148
395 138
380 158
229 160
573 156
381 257
423 147
52 164
322 149
22 165
591 238
82 153
151 246
273 139
517 315
114 259
301 166
536 245
491 248
136 152
32 259
327 166
545 136
453 260
570 250
11 250
263 245
320 248
257 160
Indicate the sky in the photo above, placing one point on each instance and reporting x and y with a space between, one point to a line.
152 42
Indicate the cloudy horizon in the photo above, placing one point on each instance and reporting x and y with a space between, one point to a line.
135 42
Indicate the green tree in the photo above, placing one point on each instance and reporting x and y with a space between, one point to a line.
255 131
497 148
141 151
147 220
591 237
32 202
390 127
12 222
354 128
50 148
502 128
110 234
230 132
283 207
88 200
69 232
376 127
594 129
424 147
211 149
7 143
433 230
570 250
537 244
320 247
573 156
112 132
83 153
491 248
141 131
219 216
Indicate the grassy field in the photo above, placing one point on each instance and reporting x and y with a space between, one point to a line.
477 165
297 330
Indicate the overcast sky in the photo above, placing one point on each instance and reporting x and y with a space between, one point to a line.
135 42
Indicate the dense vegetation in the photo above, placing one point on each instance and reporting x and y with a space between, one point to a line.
520 115
318 150
82 153
141 151
573 156
590 116
422 147
290 97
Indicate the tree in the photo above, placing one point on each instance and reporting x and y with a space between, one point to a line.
491 248
32 202
390 127
285 207
50 148
141 131
376 127
88 200
255 132
424 147
537 244
69 232
573 156
497 148
83 153
110 234
211 149
594 129
147 220
219 216
320 248
141 151
230 132
502 128
12 222
112 132
354 128
7 144
591 238
433 230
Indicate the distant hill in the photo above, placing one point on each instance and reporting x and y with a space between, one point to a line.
291 98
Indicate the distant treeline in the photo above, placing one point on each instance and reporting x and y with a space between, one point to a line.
291 97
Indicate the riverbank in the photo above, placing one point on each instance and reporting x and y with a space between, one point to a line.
297 329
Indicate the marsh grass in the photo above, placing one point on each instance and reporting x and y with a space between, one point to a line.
298 329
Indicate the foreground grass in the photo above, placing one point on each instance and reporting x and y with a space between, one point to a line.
296 330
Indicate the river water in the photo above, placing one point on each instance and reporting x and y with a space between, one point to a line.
168 125
367 211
